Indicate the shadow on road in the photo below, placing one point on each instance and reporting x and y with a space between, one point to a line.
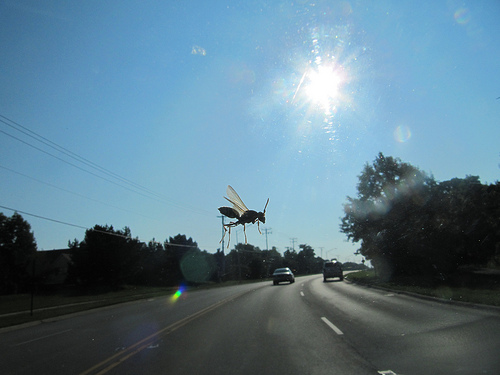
333 281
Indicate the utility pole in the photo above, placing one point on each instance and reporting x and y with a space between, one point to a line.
293 240
321 248
222 216
267 231
236 232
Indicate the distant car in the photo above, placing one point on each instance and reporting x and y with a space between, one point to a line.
333 269
283 274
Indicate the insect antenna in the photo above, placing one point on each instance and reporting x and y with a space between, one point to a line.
266 205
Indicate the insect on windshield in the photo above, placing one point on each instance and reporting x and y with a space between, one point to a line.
240 212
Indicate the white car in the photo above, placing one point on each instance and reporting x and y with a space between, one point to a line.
283 274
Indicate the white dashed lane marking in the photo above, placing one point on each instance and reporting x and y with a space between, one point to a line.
332 326
302 293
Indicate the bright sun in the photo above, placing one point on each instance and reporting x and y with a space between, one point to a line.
322 86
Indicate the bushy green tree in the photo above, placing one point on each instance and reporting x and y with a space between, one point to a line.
463 223
152 267
176 248
17 253
411 226
383 217
290 259
271 259
106 257
176 261
307 263
244 262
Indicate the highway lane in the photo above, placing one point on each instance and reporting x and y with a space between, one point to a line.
411 335
307 327
74 344
268 331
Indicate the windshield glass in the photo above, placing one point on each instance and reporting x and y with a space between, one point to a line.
148 112
281 270
179 145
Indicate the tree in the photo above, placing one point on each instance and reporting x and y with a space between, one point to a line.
290 259
198 266
17 251
105 257
178 260
491 214
271 259
391 199
245 262
412 227
176 248
307 262
220 261
152 264
464 222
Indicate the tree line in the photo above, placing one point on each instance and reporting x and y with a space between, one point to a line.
413 227
112 258
410 226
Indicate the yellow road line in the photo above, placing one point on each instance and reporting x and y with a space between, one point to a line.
132 350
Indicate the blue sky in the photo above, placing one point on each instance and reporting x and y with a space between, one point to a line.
281 100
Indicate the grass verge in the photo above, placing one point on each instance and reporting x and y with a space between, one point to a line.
486 295
16 309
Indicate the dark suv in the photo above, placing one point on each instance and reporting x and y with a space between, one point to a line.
332 269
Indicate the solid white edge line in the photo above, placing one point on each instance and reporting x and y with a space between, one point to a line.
332 326
43 337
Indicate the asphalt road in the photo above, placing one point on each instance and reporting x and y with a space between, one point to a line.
308 327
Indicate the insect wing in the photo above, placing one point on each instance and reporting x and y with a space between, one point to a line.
235 199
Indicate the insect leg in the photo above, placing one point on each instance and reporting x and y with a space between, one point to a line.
229 238
225 230
258 226
244 231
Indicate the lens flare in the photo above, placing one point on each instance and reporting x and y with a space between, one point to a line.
402 134
462 16
197 50
178 293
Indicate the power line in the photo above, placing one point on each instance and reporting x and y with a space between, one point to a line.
151 194
71 154
44 218
73 165
82 227
74 193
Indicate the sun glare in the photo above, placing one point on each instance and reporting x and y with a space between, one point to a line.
323 86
